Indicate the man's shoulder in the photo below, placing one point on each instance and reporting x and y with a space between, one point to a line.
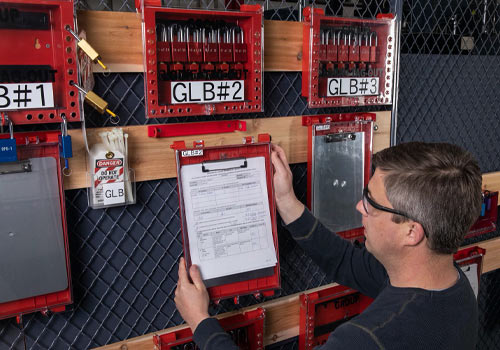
412 318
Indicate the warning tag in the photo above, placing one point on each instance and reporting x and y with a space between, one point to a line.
109 170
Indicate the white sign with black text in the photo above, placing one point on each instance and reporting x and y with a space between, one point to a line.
26 96
338 87
211 91
114 193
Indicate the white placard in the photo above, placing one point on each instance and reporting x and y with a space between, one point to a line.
228 218
338 87
211 91
471 273
26 96
114 193
323 127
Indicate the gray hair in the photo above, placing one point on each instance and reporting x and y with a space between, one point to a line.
438 185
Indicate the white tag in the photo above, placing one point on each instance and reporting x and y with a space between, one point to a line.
207 91
26 96
114 193
192 153
323 127
352 87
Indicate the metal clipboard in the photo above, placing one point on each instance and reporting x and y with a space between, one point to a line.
339 166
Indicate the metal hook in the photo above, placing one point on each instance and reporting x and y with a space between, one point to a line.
11 127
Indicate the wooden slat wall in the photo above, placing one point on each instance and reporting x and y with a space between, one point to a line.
153 159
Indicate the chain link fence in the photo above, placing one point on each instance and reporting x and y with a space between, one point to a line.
124 259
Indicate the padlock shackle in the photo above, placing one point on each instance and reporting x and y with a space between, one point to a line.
64 126
376 38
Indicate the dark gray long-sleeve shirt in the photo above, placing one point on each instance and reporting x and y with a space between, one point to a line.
398 318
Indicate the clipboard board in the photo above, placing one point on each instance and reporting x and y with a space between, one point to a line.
338 168
35 264
214 163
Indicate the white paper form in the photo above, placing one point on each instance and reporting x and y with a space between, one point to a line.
228 218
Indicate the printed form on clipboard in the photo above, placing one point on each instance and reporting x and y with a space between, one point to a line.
228 216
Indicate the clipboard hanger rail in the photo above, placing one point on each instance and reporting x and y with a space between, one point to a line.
200 128
308 120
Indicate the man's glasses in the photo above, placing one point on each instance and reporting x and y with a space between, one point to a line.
368 201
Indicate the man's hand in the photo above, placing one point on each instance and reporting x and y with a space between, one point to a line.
289 207
191 298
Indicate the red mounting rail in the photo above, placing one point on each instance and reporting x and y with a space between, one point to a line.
185 129
246 330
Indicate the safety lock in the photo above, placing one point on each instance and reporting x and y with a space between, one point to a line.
85 47
95 101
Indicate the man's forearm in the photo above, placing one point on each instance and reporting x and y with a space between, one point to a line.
290 209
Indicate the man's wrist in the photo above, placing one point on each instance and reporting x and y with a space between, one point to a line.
195 322
290 209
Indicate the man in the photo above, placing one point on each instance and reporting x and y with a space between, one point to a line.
416 210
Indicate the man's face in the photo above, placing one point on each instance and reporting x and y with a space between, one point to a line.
382 238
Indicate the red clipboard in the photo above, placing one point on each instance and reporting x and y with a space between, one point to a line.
252 282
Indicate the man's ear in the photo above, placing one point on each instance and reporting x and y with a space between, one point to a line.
415 233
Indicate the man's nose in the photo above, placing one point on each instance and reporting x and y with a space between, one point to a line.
361 208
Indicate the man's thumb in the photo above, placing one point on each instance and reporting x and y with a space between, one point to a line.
195 274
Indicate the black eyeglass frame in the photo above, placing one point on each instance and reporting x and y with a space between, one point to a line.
382 208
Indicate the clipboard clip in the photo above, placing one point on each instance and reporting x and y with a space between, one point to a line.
22 166
206 166
348 136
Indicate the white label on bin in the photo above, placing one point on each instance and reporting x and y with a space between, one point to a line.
26 96
192 153
114 193
211 91
323 127
338 87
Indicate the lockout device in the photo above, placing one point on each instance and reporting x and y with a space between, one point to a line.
322 311
199 62
338 168
348 61
34 255
487 221
246 329
228 216
39 61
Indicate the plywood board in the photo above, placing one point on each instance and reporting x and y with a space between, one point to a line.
117 36
152 158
